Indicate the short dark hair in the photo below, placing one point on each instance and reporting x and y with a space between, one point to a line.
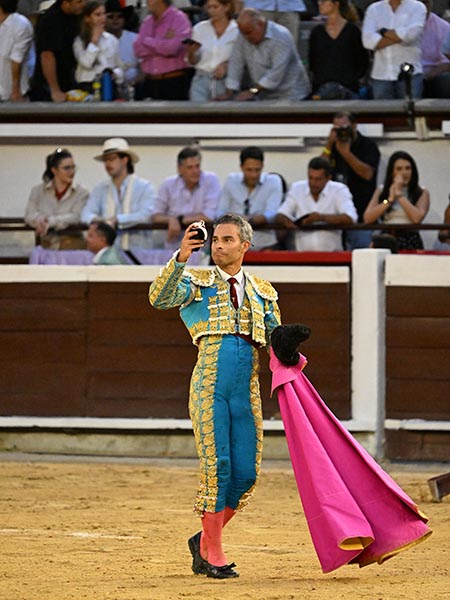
344 113
318 163
251 152
188 152
385 240
9 6
107 231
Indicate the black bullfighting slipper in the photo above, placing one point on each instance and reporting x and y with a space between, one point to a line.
198 563
285 340
225 572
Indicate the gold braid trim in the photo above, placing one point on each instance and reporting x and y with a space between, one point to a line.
263 288
201 277
256 408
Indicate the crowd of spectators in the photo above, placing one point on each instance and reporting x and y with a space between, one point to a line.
226 50
339 189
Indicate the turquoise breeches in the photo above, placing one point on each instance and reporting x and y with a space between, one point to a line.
225 409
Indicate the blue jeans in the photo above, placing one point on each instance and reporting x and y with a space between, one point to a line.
205 88
357 238
383 89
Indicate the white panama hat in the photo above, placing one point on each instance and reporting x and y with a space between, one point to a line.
119 146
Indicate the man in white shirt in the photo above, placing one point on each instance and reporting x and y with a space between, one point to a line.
317 199
123 200
254 195
392 29
16 35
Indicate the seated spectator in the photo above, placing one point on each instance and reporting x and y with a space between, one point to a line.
100 240
436 66
210 50
392 29
286 13
160 46
400 200
254 195
16 36
337 59
56 31
57 203
354 161
95 49
267 52
192 195
317 200
115 23
124 199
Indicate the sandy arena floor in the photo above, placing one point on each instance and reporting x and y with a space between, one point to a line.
76 529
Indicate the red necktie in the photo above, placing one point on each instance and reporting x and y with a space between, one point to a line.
233 292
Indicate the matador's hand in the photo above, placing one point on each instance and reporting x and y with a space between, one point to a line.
189 243
285 340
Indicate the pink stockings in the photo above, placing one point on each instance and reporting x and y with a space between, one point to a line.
211 540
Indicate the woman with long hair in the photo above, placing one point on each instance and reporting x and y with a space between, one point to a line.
337 59
400 200
95 49
210 49
56 203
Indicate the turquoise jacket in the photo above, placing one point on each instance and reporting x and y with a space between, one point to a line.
205 304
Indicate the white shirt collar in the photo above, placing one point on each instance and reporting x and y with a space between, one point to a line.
226 276
99 254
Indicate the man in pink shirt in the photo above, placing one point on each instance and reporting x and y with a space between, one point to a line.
159 45
436 65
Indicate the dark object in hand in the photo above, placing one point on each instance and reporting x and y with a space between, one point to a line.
285 340
299 222
189 42
201 233
344 134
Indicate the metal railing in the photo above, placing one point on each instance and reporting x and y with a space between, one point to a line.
18 224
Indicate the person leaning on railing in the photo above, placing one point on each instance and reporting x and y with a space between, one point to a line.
317 200
56 204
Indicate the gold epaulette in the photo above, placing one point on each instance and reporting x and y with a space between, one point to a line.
201 277
263 288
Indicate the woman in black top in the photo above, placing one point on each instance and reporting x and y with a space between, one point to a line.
337 58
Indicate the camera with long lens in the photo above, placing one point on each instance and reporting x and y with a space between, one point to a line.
344 134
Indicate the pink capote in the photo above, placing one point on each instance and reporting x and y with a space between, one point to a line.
355 512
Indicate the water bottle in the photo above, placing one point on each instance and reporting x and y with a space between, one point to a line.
107 85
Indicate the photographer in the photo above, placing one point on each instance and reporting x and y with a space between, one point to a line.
354 161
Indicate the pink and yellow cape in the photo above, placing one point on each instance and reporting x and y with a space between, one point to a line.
356 513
